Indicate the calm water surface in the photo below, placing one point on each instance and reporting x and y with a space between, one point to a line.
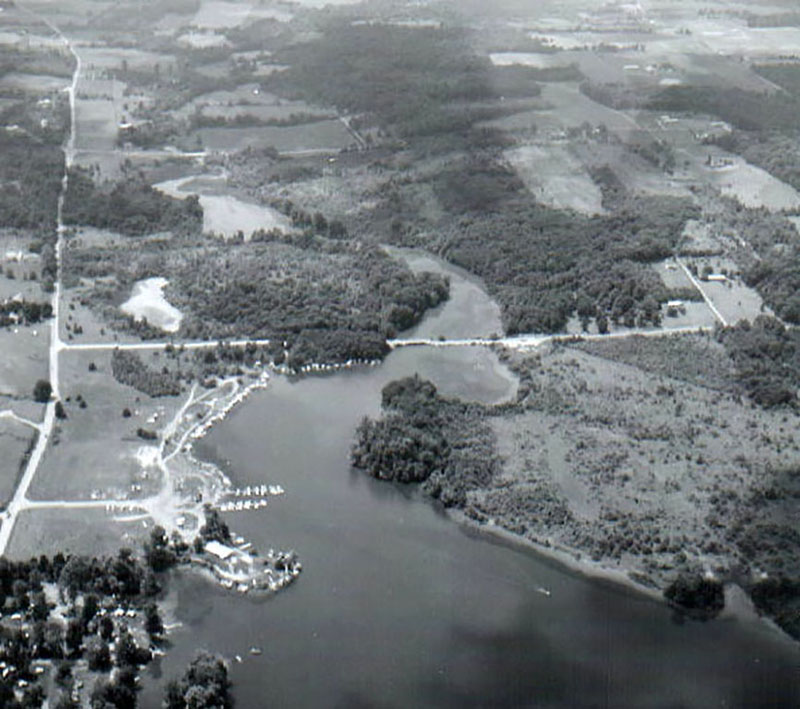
398 606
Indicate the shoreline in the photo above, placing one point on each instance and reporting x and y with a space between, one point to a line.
738 604
564 557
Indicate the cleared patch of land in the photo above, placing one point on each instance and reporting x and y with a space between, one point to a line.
24 359
147 302
554 177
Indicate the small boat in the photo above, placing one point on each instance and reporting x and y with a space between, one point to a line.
255 650
543 591
238 658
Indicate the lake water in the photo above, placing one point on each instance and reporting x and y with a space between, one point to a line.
223 213
398 606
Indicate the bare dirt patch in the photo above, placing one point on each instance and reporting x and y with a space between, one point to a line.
556 178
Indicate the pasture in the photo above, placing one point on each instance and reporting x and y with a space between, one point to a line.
556 178
322 136
24 359
93 532
15 440
97 453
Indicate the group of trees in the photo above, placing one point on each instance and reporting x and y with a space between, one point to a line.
91 587
204 685
766 355
696 595
30 182
777 279
409 78
24 312
129 368
334 300
131 207
544 264
424 438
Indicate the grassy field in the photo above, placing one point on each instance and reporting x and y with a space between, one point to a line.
15 440
556 178
24 359
733 298
77 531
327 136
97 447
634 467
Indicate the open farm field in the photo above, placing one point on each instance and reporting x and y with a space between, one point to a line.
225 214
637 175
532 59
698 238
323 136
93 532
770 41
80 323
15 440
285 111
202 40
23 360
568 108
33 83
111 58
28 40
223 14
97 440
754 187
98 119
556 178
249 100
733 299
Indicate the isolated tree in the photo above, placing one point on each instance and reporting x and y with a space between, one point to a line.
152 621
42 391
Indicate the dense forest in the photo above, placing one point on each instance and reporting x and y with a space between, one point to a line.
131 207
30 182
286 291
543 265
766 355
330 300
425 438
418 81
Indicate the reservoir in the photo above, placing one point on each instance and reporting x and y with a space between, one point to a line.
399 606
